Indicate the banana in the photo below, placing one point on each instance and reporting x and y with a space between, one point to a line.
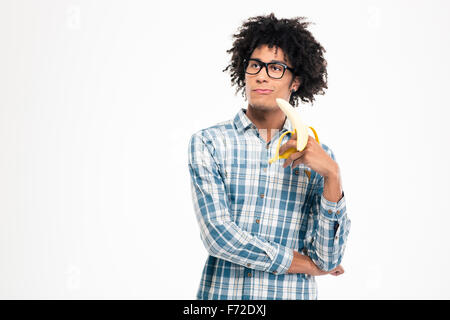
299 127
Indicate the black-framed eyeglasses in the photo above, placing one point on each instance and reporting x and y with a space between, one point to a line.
274 70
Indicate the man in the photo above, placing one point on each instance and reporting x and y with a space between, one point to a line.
268 229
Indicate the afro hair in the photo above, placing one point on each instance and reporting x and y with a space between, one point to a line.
305 54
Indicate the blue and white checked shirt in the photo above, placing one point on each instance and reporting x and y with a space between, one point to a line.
252 215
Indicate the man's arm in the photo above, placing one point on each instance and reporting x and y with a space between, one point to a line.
328 223
332 189
220 235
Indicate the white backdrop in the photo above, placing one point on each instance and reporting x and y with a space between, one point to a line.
98 100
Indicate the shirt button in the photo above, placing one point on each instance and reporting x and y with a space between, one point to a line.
339 211
248 264
257 221
265 169
329 211
262 195
267 146
296 172
308 173
249 274
275 272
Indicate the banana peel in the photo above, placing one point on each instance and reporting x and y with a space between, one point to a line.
299 128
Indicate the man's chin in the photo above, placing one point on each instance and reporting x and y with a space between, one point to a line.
263 107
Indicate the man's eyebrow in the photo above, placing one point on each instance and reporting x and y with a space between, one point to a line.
271 60
279 61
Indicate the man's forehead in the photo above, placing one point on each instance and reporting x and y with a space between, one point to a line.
277 56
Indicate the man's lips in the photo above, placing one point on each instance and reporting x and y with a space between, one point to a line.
263 91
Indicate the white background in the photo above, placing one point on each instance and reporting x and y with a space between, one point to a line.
98 100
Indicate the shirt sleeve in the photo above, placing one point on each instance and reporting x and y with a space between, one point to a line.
222 237
328 227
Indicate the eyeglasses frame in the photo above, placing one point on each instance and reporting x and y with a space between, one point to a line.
266 65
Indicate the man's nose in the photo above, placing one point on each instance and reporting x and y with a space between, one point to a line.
262 75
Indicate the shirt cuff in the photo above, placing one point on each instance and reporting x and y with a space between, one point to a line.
282 260
332 210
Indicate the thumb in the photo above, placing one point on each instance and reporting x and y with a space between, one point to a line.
294 135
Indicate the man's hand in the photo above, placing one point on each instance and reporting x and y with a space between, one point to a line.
315 271
312 156
303 264
337 271
318 160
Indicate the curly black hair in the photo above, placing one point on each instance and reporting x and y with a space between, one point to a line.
298 44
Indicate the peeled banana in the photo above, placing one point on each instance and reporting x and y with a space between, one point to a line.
299 127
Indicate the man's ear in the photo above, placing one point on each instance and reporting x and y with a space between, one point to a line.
295 84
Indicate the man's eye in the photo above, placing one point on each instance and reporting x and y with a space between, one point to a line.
276 68
255 65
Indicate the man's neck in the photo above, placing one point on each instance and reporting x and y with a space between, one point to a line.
267 121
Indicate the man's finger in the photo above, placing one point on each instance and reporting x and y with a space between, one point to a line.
336 273
293 136
298 161
338 270
292 158
287 146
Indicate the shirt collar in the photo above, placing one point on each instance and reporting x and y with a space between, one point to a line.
242 122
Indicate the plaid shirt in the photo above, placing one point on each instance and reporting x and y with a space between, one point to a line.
252 215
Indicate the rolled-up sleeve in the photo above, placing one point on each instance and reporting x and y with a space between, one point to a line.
328 227
220 235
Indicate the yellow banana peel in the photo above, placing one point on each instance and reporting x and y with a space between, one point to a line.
299 128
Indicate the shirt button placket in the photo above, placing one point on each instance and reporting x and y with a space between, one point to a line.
247 284
264 160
